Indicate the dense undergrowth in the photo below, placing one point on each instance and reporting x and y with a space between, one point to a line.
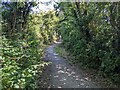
90 31
20 62
97 76
24 38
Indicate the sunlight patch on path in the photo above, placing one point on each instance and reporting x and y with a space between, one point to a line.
63 75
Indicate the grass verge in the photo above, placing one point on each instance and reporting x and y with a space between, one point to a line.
61 51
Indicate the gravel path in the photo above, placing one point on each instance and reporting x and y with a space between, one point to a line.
60 74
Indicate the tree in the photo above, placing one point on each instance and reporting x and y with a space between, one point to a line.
90 31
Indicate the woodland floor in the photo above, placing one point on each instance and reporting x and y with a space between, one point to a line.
60 74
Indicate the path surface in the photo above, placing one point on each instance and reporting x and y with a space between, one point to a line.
60 74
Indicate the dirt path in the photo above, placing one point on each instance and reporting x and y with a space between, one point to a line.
60 74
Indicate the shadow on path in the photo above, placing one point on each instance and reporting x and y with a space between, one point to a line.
60 74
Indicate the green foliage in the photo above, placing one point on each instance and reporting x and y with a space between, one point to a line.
23 43
44 24
61 51
90 32
20 62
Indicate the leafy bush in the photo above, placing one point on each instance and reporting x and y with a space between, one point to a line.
90 32
24 39
20 64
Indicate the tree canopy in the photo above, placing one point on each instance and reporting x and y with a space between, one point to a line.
90 32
